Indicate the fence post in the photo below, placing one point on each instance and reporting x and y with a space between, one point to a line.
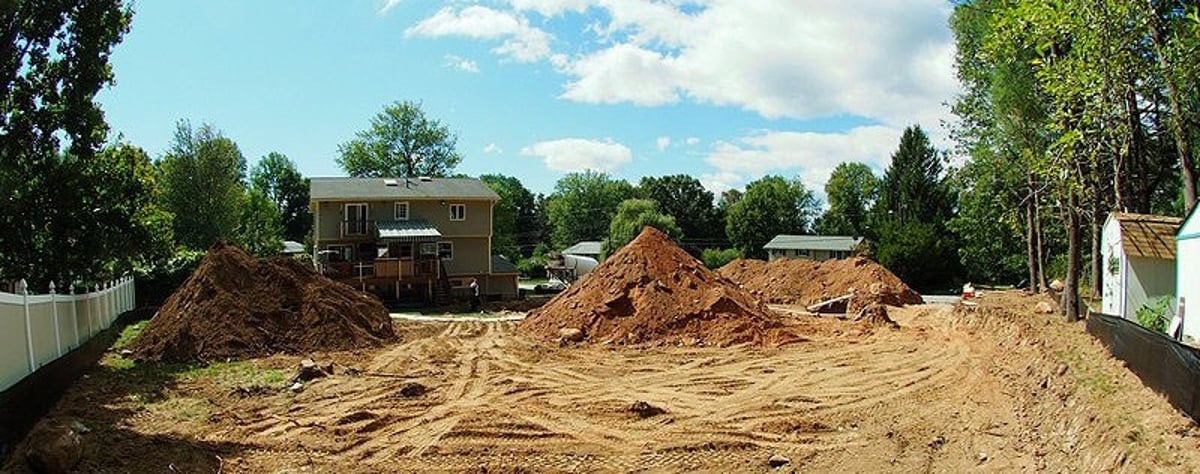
57 331
99 317
28 326
74 312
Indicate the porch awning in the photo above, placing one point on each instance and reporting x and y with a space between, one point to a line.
412 230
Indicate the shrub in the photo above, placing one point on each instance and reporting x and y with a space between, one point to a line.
717 258
1155 315
532 267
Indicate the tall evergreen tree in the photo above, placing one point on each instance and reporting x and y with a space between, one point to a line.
909 220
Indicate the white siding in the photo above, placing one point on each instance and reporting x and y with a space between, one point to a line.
1187 256
1113 260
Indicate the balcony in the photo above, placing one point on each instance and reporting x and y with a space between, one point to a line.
385 268
359 228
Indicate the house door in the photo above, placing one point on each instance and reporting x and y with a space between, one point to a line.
356 219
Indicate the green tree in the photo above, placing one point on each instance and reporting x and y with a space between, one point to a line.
909 220
258 229
633 215
582 206
515 218
277 178
770 206
852 189
685 199
401 141
53 62
201 178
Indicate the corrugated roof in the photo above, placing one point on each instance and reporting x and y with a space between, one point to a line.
1149 236
813 242
502 265
408 231
587 247
342 189
291 246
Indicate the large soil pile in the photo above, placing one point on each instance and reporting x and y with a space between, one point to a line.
652 292
806 282
234 306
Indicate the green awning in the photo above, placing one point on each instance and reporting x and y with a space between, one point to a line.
412 230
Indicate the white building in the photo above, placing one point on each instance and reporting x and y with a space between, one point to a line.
1187 282
1138 254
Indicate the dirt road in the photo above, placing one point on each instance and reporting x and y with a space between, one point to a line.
937 395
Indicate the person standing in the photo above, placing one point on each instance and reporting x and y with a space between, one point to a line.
475 303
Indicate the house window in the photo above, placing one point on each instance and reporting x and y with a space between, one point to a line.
402 211
428 249
355 220
402 250
445 250
458 212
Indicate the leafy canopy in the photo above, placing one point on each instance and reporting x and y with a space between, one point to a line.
582 206
633 215
852 189
770 206
401 141
276 177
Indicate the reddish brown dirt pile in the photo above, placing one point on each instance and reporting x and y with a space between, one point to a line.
875 315
806 282
234 306
652 292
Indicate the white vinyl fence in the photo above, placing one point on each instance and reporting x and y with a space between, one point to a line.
37 329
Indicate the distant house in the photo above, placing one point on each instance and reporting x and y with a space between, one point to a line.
1138 254
1187 277
587 248
813 247
418 238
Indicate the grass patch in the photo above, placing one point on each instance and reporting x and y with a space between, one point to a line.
130 333
1088 373
231 373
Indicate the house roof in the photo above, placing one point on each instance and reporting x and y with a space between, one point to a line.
502 265
411 230
587 247
813 242
291 246
1190 229
344 189
1144 235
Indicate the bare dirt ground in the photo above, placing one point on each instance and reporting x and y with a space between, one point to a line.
996 388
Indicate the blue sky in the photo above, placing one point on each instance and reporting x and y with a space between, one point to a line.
724 90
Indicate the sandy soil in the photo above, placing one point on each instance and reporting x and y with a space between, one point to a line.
993 389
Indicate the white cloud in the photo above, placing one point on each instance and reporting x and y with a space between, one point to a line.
812 156
521 42
721 181
798 58
623 73
461 63
388 5
662 143
493 149
580 154
691 141
550 7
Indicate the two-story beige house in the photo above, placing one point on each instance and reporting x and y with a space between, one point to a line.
408 239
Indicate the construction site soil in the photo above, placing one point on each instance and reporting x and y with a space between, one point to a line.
653 292
807 282
234 306
994 387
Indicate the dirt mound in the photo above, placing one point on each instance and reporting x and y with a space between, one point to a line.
651 291
806 282
236 306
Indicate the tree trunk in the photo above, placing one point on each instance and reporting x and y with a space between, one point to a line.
1041 249
1070 295
1031 245
1183 144
1097 218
